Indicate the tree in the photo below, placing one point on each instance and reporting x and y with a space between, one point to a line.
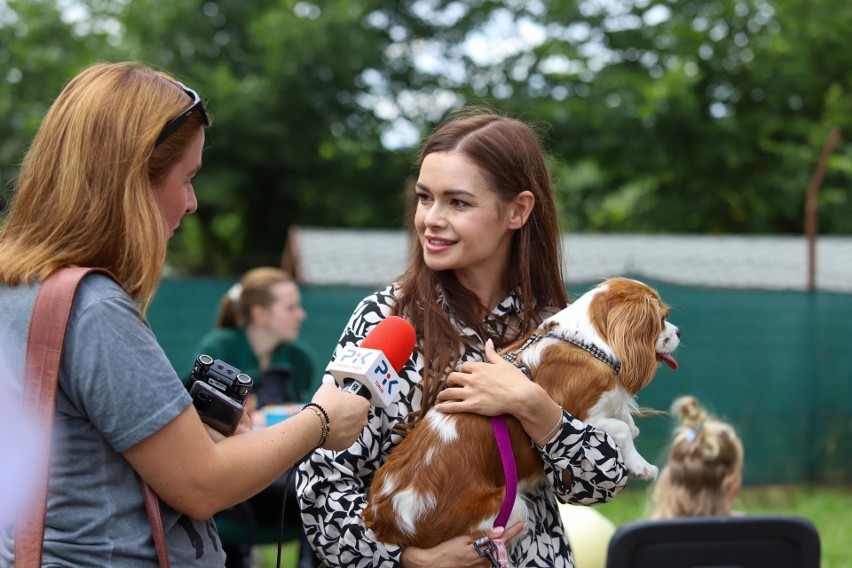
690 115
290 142
660 115
40 50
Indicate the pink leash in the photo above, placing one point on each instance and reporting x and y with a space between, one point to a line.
510 471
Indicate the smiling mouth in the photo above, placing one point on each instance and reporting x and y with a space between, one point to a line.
439 242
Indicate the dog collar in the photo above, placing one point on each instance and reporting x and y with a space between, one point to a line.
512 357
595 352
590 348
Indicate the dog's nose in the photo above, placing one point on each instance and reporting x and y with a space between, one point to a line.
677 332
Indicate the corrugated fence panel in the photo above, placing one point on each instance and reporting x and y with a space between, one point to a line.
777 365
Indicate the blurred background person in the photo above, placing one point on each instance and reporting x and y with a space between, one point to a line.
257 331
703 475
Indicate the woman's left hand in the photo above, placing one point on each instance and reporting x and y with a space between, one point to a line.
487 388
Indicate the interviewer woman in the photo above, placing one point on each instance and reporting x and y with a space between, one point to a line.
105 183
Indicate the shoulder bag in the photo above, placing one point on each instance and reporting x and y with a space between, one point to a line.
44 354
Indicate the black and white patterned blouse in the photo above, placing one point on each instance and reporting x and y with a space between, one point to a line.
332 486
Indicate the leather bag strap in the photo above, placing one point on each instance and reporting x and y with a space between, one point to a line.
155 517
45 342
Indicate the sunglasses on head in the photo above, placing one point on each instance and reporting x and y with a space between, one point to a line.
177 121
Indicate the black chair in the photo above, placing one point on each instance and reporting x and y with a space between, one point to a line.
761 541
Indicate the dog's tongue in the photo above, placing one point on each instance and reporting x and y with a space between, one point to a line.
670 361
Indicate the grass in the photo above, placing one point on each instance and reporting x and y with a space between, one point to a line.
828 508
269 555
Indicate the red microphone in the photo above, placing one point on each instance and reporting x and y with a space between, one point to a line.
371 369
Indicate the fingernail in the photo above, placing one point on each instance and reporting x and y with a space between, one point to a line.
499 530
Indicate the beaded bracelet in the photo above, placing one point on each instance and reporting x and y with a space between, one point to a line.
537 443
326 423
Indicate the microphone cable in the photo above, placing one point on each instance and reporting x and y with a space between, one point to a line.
284 508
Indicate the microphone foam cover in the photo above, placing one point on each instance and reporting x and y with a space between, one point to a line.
393 336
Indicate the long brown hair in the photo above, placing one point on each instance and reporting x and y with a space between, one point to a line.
510 156
85 195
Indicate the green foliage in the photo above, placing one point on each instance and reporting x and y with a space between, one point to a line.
290 144
39 52
707 117
660 115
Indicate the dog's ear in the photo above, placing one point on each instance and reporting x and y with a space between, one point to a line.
633 323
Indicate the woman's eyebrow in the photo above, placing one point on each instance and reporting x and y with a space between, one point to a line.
459 192
449 192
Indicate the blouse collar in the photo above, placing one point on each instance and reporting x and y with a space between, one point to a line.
504 316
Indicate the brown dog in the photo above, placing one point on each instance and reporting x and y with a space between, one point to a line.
446 478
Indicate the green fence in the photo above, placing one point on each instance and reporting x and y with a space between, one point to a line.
777 365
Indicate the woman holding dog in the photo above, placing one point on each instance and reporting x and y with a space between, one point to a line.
105 184
485 267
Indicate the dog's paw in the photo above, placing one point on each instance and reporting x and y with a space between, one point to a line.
642 470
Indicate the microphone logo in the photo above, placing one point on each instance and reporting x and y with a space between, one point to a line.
390 384
390 380
353 356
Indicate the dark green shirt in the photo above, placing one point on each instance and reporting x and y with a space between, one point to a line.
291 376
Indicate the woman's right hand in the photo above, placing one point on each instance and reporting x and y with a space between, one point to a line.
347 414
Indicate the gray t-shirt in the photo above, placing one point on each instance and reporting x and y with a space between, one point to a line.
116 388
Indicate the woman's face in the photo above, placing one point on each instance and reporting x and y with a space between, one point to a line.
284 316
460 221
176 196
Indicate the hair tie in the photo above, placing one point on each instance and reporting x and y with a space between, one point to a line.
234 292
692 433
